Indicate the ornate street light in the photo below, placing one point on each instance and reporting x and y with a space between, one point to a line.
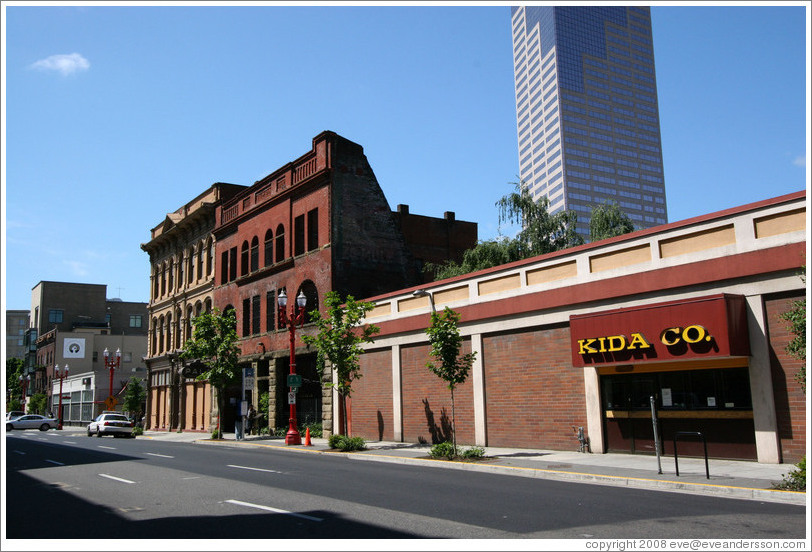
296 317
112 364
61 374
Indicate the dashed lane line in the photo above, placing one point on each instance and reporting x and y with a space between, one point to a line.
253 469
275 510
117 478
159 455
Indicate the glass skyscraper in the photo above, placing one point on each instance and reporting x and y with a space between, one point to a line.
586 110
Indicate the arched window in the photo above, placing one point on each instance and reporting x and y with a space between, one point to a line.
180 270
209 257
169 332
161 334
254 254
190 265
280 243
268 248
171 275
312 294
155 283
244 259
200 255
154 336
163 279
177 329
189 317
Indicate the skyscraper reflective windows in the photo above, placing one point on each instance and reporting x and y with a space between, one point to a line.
586 110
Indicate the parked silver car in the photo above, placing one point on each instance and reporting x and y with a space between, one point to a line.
110 424
32 421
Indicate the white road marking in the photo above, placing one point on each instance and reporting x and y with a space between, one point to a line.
70 442
196 477
108 448
20 452
161 455
55 462
254 469
116 478
269 509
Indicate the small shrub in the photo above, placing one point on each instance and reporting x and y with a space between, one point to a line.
443 450
473 453
795 480
215 433
346 444
137 430
315 429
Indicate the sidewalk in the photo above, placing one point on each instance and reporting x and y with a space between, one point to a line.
728 478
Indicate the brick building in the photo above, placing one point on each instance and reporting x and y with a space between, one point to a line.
687 313
317 224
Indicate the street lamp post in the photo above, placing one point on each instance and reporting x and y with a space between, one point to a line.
292 437
424 293
24 381
61 374
112 364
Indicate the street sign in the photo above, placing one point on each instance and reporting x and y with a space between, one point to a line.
294 380
291 398
110 403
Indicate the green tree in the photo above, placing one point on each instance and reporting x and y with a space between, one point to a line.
38 403
540 233
14 369
134 397
451 367
214 344
338 342
796 317
608 221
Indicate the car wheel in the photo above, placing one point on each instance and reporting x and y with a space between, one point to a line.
44 427
98 433
89 433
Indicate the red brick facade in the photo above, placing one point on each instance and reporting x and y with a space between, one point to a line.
371 400
790 400
534 394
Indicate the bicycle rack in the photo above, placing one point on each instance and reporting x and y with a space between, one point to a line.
704 444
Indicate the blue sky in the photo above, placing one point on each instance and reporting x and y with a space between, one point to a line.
116 115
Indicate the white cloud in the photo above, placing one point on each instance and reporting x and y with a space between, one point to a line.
62 63
799 161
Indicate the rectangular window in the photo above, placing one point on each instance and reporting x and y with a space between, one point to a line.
55 316
299 235
232 260
223 268
246 317
255 329
313 230
135 320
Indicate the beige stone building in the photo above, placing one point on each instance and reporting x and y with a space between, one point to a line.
181 254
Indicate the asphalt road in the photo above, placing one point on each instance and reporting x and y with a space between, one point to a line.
61 486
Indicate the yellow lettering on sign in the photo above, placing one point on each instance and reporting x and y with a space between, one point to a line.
585 347
639 342
616 343
670 336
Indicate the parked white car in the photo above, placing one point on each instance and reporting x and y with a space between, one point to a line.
110 424
32 421
14 414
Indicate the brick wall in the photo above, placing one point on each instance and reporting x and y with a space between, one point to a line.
372 413
534 395
790 400
427 401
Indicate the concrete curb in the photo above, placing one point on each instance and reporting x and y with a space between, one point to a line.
706 489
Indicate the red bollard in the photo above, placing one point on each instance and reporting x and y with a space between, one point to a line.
307 438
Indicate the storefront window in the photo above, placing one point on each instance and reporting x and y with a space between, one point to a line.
713 389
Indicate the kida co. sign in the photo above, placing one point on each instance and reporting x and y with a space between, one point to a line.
670 337
666 331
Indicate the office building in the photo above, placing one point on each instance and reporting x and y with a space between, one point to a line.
587 112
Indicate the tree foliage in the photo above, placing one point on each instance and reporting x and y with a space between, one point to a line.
608 221
214 343
134 396
448 365
541 232
338 341
38 403
796 317
14 369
